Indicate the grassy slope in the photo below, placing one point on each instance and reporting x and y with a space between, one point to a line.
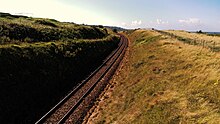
17 30
198 39
163 81
41 60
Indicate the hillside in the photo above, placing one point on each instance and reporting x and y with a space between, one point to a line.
205 40
41 60
116 28
16 29
162 80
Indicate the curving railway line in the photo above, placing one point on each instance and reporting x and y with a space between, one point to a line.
74 106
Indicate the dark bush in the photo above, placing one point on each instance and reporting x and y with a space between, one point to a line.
200 31
115 30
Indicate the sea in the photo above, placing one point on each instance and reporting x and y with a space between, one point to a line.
212 32
207 32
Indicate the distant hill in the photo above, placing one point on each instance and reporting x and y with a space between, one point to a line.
114 27
110 27
2 14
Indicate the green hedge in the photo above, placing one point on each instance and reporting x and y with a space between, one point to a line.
51 58
14 32
35 76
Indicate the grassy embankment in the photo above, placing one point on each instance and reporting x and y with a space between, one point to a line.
163 81
42 59
201 39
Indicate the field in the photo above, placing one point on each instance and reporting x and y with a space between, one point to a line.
205 40
162 80
41 60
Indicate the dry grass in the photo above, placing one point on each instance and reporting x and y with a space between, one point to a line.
163 81
209 41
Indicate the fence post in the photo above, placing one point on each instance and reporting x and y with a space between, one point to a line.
203 44
213 47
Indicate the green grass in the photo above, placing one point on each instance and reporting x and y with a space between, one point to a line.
41 60
34 40
17 30
32 74
79 51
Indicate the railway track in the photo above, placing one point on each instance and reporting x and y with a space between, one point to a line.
72 107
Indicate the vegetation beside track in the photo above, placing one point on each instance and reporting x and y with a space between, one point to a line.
21 29
162 81
42 59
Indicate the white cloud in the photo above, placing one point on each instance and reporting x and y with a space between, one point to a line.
190 21
132 24
160 21
136 23
123 24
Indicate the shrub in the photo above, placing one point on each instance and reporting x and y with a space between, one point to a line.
21 32
45 22
115 30
200 31
32 74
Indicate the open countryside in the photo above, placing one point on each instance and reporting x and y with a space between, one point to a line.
107 62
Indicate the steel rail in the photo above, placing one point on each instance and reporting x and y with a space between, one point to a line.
74 107
68 96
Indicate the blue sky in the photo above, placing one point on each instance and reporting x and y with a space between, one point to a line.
188 15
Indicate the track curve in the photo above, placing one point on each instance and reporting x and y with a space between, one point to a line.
61 112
